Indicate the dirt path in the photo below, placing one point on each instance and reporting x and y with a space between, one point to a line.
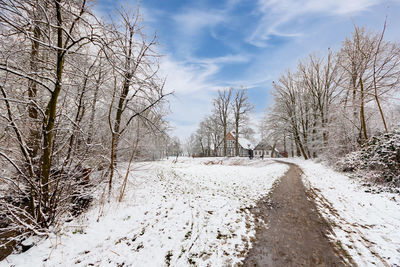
295 234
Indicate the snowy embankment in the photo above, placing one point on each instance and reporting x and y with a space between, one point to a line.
365 225
193 211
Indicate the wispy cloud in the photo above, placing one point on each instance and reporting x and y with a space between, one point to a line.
194 74
276 14
211 45
192 21
186 77
310 6
236 58
194 85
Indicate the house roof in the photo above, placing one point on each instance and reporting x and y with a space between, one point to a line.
246 144
230 136
243 142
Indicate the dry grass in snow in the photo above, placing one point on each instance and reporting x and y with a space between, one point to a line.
194 211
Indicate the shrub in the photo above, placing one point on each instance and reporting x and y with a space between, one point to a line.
349 163
380 156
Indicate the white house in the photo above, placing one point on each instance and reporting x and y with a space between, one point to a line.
263 149
244 146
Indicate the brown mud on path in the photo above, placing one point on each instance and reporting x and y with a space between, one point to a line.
294 234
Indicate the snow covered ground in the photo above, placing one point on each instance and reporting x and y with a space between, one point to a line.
365 225
190 212
195 211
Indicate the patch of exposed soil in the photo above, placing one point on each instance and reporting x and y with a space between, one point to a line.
6 250
294 234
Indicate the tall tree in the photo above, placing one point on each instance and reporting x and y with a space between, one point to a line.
221 108
320 78
288 97
57 65
333 103
215 131
135 78
241 106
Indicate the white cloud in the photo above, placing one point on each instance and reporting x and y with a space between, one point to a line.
194 74
192 21
188 111
184 77
277 13
238 58
194 87
193 90
312 6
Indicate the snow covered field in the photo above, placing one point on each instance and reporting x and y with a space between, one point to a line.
192 211
366 225
195 211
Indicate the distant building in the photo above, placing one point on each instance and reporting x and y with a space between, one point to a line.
263 149
244 146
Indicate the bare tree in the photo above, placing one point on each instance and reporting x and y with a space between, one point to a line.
371 67
320 79
57 65
241 107
288 97
60 40
215 131
385 71
330 104
356 59
37 94
221 108
190 145
135 78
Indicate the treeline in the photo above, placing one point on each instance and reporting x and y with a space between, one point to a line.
78 95
333 103
230 113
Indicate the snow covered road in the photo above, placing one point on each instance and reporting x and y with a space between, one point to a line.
366 225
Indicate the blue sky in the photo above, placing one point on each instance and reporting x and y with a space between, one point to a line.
209 45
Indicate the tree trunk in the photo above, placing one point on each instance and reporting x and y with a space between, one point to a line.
122 192
381 111
120 109
224 139
291 148
273 150
78 118
116 129
93 111
300 145
284 144
298 153
32 93
34 134
51 110
237 137
362 114
314 135
325 133
374 80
